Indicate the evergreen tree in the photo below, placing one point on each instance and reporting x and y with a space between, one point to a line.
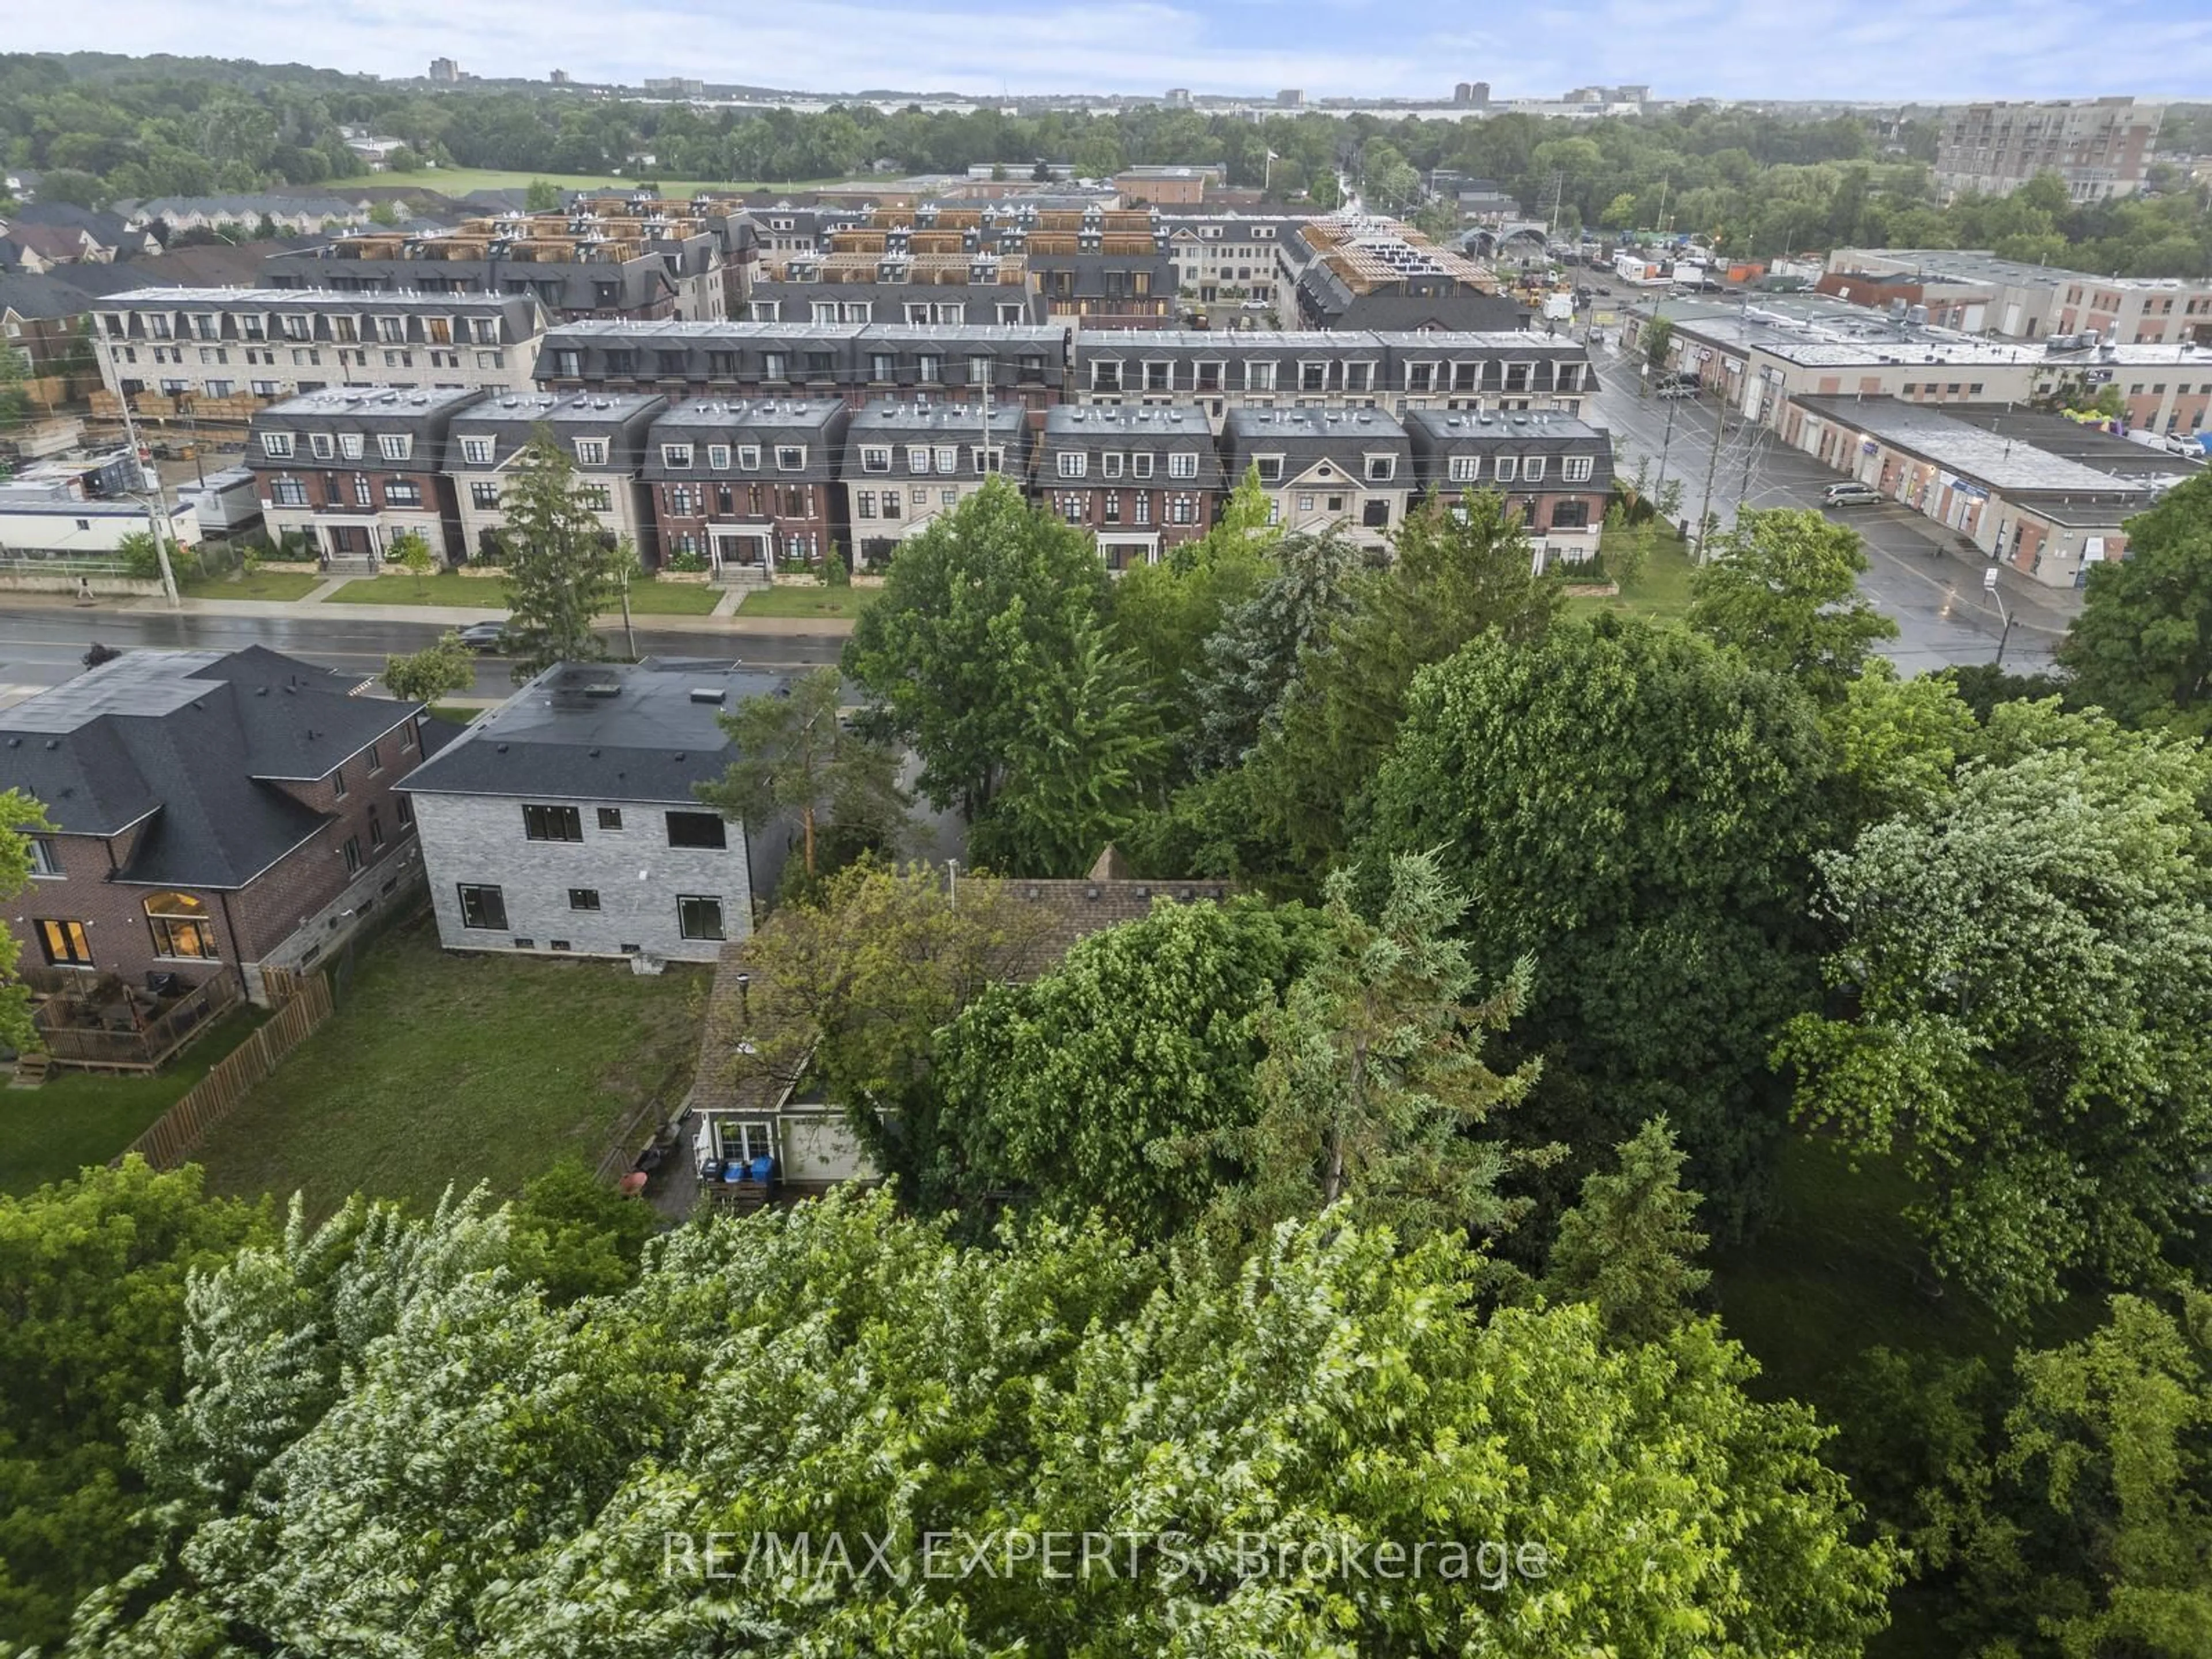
563 569
1631 1246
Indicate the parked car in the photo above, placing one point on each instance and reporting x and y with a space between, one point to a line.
484 636
1851 494
1680 388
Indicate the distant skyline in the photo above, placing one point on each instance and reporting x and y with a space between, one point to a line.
1885 50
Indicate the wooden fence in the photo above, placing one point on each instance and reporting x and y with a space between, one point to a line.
174 1135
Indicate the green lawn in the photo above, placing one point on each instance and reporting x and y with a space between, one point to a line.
781 601
443 587
440 1068
49 1132
1662 588
275 585
459 181
650 598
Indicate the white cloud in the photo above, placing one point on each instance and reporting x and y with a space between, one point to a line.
1885 49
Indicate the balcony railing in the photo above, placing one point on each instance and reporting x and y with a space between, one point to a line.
110 1027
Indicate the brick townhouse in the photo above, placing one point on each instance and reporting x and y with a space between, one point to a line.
351 469
1554 471
746 483
1348 470
211 813
232 350
604 437
1141 480
905 463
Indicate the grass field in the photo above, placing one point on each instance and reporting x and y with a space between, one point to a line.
459 181
832 602
444 587
49 1132
441 1069
1662 588
650 598
272 585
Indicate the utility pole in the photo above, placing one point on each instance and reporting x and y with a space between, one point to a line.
1712 466
1665 441
153 517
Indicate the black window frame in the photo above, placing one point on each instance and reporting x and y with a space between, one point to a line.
540 820
583 898
495 921
684 929
610 818
75 932
721 842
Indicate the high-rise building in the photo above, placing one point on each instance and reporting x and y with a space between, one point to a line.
1474 93
559 77
2100 147
1178 98
445 71
1291 98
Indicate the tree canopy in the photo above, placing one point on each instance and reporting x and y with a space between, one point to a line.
1781 587
2142 647
563 568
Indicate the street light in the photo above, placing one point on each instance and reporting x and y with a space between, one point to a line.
1990 587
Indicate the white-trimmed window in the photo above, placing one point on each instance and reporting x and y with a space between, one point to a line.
948 458
1381 468
718 457
1110 465
1106 375
477 452
1506 468
351 445
1073 464
1532 469
1464 469
676 457
917 460
987 460
1140 464
395 445
322 446
1359 377
1420 377
590 452
278 446
1578 469
1271 468
748 457
1183 463
875 459
1260 377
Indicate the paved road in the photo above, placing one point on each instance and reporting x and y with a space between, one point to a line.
1917 574
42 646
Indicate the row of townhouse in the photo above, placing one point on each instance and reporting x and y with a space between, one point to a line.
1511 371
739 486
221 353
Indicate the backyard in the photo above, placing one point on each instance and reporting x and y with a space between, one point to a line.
1662 588
443 1070
76 1118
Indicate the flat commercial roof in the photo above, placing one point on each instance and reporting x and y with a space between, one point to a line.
1994 457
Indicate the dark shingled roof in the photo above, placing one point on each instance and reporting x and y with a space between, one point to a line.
197 742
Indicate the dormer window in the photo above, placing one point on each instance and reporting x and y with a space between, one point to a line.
322 446
278 446
477 452
590 452
676 457
351 446
1381 468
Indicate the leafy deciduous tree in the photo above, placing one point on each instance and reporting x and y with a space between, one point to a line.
1782 587
436 671
2141 647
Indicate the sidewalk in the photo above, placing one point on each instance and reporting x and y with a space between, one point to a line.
723 620
2034 607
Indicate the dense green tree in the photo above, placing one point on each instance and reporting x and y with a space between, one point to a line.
1374 1093
1782 587
563 569
2025 1004
436 671
1460 570
1630 1245
1245 667
543 196
2087 1530
981 612
1895 742
2141 647
1982 686
1054 1091
1635 811
453 1462
794 755
576 1236
93 1278
20 815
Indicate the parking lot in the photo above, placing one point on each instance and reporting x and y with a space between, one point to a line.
1919 573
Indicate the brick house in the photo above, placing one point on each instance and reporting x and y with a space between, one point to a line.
352 468
904 463
745 483
1349 470
564 822
603 436
1141 480
1554 471
212 813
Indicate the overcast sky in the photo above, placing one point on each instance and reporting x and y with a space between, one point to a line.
1887 50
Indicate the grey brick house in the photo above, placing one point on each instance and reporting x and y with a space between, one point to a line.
564 822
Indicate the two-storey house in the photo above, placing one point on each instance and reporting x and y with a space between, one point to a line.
349 469
904 465
748 484
565 822
1349 470
1553 470
1141 480
209 813
604 438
